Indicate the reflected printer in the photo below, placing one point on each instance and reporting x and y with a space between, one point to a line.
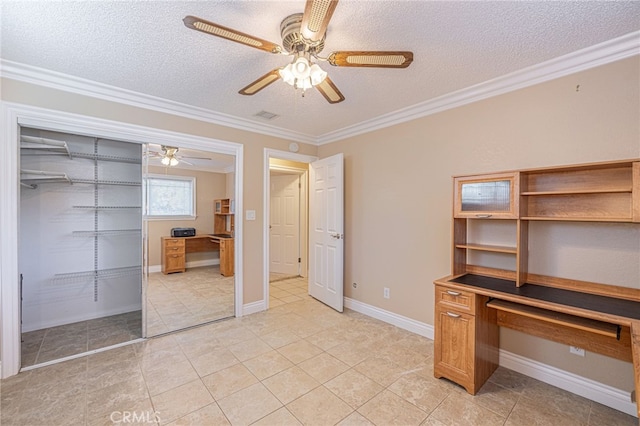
183 232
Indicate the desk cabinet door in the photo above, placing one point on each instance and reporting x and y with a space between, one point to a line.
226 257
174 263
454 346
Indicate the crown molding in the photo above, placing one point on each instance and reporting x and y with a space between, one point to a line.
56 80
599 54
590 57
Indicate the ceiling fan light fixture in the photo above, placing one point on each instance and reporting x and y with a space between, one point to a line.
286 73
301 74
317 74
301 68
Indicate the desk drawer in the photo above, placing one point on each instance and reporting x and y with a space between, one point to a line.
457 299
174 242
174 250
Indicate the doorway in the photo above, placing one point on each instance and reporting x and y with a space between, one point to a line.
80 248
286 222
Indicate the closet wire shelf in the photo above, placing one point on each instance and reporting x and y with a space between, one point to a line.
106 207
54 146
104 232
100 273
31 178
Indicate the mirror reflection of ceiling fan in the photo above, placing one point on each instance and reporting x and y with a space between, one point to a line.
169 156
303 36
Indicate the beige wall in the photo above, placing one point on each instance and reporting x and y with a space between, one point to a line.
398 196
209 186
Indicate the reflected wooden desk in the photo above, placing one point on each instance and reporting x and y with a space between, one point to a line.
175 249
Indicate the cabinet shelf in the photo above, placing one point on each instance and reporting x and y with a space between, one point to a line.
489 248
627 189
576 219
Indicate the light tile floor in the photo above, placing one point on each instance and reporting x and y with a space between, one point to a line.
297 363
181 300
71 339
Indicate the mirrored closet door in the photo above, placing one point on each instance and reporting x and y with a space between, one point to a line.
189 207
80 244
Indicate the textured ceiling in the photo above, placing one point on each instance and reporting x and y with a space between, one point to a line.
143 46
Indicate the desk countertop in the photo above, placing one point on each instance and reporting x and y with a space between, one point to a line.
577 303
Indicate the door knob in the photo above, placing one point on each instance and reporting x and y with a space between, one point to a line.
337 236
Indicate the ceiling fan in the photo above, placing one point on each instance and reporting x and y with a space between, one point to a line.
169 156
303 36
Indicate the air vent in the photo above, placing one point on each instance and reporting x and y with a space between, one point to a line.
267 115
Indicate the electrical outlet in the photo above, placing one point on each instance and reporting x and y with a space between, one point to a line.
355 285
576 350
386 293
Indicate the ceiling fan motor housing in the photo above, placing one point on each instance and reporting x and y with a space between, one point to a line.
292 39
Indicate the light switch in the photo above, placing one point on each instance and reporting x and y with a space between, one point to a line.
250 215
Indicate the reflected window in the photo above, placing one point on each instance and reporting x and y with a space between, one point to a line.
170 197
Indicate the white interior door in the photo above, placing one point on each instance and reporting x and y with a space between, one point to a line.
284 238
326 231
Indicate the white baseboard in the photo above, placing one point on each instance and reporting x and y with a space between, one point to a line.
405 323
193 264
590 389
253 307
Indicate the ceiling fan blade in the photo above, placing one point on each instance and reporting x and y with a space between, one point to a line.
391 59
330 91
182 160
230 34
194 158
315 19
261 83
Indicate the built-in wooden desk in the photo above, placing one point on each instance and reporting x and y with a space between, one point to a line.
175 249
482 294
474 306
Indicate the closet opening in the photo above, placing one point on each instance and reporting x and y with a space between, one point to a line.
80 244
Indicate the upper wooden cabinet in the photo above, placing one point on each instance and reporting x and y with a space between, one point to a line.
222 206
607 192
492 196
223 217
597 192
